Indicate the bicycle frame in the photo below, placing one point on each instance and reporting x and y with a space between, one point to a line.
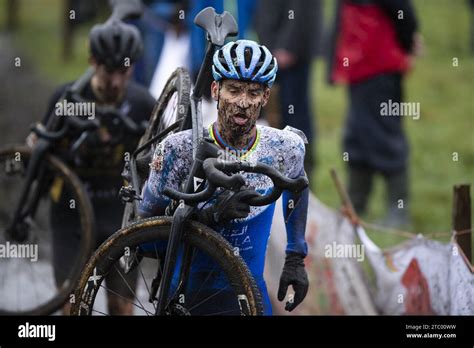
25 207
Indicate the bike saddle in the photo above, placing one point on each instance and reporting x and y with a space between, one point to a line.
217 26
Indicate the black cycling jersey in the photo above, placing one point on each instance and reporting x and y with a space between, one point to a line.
99 162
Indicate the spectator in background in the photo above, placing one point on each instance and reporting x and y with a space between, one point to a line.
372 47
291 30
245 15
159 16
168 30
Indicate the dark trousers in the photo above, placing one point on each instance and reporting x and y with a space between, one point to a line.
295 104
374 141
294 98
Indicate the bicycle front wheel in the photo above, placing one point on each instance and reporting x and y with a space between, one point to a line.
37 273
218 281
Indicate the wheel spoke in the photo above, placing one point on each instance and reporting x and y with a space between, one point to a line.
4 268
160 264
127 299
220 313
211 284
146 284
204 282
34 276
95 310
129 287
17 292
207 298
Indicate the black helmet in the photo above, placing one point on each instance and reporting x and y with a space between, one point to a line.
114 41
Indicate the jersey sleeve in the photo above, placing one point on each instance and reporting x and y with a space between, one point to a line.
169 168
295 206
294 154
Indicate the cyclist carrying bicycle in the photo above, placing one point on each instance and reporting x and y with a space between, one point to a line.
114 47
244 73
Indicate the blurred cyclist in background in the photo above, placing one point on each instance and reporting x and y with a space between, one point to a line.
114 47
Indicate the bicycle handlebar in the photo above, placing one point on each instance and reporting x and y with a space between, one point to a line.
129 124
41 132
83 125
217 174
74 122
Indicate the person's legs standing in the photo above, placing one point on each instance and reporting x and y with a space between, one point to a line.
357 147
397 199
360 180
393 164
376 141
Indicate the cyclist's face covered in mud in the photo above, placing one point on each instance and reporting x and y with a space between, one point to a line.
239 105
109 84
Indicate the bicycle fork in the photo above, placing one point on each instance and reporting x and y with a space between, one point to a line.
205 149
180 217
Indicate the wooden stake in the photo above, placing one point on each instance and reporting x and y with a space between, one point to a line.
462 217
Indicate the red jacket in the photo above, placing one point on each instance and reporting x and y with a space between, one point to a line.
367 44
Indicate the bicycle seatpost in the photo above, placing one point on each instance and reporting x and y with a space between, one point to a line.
217 27
205 72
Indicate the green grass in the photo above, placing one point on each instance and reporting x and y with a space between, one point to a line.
39 40
444 92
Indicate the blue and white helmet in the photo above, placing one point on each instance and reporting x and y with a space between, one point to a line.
245 60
